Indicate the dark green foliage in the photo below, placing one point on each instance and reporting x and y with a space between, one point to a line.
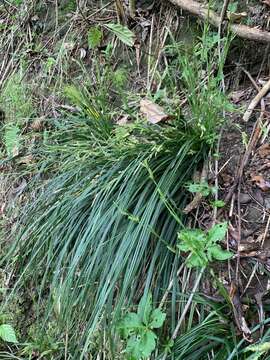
98 234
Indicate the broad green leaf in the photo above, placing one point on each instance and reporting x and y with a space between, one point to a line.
183 247
218 203
133 347
191 236
202 188
217 232
263 347
123 33
196 261
141 346
157 319
7 333
130 324
218 253
94 37
148 343
145 308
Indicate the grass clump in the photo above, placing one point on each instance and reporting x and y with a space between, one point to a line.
97 237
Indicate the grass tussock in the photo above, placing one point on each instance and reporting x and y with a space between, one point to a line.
102 230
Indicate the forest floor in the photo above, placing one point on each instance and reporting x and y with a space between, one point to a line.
49 48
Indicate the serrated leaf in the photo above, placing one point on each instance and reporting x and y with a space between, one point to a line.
148 343
133 347
217 232
191 236
130 324
141 346
216 252
183 247
94 37
123 33
196 261
145 308
7 334
157 319
218 203
202 188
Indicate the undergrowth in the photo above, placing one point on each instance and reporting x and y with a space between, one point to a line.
101 230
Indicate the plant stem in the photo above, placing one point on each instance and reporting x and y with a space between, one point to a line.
132 8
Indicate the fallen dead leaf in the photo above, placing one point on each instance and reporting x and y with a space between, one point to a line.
37 124
122 120
238 95
266 2
238 311
193 204
236 17
153 112
264 150
263 184
25 160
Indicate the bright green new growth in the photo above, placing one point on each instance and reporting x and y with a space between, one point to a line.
94 37
137 329
11 138
202 188
7 334
203 246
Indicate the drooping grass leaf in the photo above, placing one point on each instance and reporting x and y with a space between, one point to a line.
11 138
122 33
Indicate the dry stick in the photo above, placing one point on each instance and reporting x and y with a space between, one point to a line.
186 308
213 18
162 302
264 90
188 304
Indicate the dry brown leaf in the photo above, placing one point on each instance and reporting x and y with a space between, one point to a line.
263 184
122 120
238 310
238 95
26 160
193 204
153 112
38 124
266 2
236 17
264 150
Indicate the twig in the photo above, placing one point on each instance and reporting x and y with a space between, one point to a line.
162 302
264 90
198 197
213 18
188 304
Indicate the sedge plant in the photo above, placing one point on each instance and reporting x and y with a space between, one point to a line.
97 235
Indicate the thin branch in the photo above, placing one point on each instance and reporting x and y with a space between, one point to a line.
264 90
213 18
